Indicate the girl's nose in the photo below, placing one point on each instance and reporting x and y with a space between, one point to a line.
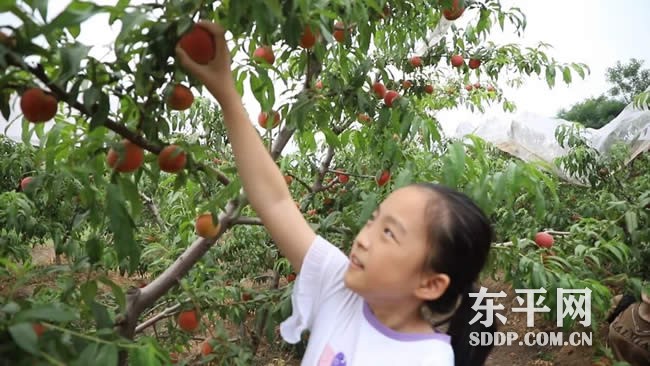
362 239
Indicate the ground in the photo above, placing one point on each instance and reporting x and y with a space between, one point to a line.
502 355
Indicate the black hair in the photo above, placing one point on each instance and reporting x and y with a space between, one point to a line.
460 235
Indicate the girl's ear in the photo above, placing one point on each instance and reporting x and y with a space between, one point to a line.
432 286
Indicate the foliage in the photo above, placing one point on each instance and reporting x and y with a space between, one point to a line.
142 223
593 112
629 79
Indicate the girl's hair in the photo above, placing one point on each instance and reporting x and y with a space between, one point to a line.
460 235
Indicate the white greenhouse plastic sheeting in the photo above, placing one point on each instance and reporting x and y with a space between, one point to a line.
532 138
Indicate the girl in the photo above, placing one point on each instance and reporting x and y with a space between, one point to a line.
406 278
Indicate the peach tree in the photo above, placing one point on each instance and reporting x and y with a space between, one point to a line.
347 109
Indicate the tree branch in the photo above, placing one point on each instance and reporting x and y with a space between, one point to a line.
322 170
156 318
151 205
61 94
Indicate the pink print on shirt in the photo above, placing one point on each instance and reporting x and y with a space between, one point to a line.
329 358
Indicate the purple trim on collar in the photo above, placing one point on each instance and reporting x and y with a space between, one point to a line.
399 336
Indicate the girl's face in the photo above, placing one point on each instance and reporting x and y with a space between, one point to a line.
387 259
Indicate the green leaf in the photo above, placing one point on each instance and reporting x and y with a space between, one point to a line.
87 356
88 292
117 11
48 312
122 226
566 75
76 13
404 178
8 5
631 222
100 115
107 355
102 317
550 76
94 249
131 193
120 298
367 208
91 96
579 70
25 337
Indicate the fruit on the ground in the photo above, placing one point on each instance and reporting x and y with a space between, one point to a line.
246 296
188 320
379 89
319 85
205 227
172 159
544 239
339 32
474 63
428 89
288 179
390 97
407 84
217 161
416 61
575 217
206 347
383 178
343 178
457 61
126 159
38 328
198 44
363 118
180 98
263 117
455 11
291 277
312 212
37 105
308 39
264 53
603 172
173 357
24 183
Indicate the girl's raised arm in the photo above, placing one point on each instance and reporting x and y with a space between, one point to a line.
262 180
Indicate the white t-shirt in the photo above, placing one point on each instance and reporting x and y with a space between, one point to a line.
343 330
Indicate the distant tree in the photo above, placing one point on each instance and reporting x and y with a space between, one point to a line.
593 112
628 79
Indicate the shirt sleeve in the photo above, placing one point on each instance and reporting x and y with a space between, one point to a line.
321 274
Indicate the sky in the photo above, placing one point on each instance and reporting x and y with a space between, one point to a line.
595 32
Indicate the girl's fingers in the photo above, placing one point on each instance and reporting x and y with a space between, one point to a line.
182 56
212 27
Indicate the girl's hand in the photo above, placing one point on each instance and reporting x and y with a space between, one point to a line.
216 75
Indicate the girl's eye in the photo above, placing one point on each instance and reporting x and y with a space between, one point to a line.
388 232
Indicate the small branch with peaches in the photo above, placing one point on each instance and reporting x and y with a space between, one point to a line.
120 129
337 172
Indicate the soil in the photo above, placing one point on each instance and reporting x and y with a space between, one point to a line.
515 355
